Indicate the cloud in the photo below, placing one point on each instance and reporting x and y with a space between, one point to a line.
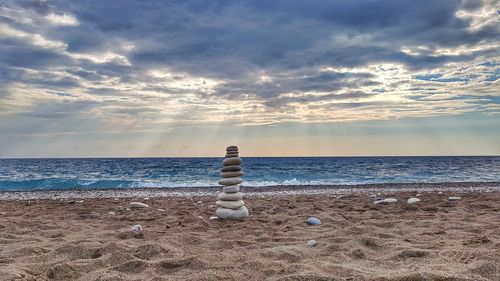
145 63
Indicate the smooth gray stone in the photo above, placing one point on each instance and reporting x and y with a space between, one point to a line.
232 168
239 213
413 200
231 161
313 221
232 147
454 198
231 189
230 181
230 204
231 174
230 196
385 201
231 155
138 205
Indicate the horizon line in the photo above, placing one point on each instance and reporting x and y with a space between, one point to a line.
300 156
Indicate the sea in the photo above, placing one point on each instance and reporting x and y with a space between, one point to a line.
123 173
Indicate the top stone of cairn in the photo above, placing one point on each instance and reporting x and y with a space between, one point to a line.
231 151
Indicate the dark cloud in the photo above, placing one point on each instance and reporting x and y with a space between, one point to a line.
292 43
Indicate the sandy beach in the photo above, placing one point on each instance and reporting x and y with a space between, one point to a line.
89 239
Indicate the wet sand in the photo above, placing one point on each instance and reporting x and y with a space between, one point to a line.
434 239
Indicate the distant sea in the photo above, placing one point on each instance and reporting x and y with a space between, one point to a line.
102 173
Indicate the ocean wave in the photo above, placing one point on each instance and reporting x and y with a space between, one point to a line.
65 184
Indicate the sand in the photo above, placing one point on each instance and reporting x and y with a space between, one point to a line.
357 240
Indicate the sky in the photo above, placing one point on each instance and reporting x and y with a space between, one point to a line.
278 78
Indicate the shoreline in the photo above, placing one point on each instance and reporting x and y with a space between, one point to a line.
283 190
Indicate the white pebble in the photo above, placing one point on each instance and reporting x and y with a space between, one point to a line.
199 202
454 198
312 243
138 205
137 229
385 201
413 200
213 218
112 213
161 210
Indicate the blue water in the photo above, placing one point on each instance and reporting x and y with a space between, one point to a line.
45 174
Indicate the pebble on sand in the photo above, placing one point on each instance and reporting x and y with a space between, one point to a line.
413 200
454 198
313 221
312 243
137 229
385 201
138 205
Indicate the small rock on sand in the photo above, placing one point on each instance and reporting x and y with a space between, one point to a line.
454 198
313 221
413 200
312 243
385 201
161 210
138 205
112 213
137 229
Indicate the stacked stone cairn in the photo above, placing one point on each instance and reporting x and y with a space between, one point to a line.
229 200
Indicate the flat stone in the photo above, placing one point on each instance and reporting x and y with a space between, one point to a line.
313 221
385 201
231 174
240 213
413 200
138 205
232 168
232 147
231 155
230 204
312 243
231 161
454 198
230 196
231 189
230 181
